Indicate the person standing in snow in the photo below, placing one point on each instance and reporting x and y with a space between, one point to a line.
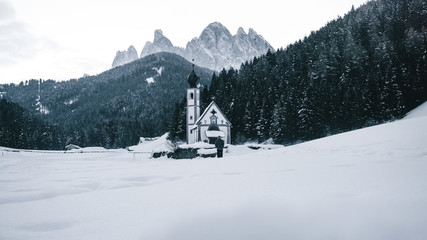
219 144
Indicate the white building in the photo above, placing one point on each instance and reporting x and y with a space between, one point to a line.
208 126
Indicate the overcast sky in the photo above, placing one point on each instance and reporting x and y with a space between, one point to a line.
63 39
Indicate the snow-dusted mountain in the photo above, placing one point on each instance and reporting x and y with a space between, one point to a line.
123 57
160 44
216 48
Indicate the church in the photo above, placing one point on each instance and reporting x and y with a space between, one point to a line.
208 126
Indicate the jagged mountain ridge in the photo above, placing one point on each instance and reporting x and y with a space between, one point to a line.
216 48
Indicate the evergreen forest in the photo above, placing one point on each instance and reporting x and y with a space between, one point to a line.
365 68
21 129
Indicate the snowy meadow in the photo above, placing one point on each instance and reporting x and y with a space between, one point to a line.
365 184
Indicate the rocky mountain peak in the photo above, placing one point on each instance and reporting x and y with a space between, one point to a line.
132 50
158 34
259 43
216 48
123 57
240 32
216 27
160 40
252 32
159 44
215 33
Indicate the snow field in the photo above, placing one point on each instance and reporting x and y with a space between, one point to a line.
366 184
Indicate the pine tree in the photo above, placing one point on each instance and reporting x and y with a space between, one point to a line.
177 125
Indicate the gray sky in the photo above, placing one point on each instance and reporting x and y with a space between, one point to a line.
63 39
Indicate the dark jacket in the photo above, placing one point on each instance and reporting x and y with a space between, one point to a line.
219 144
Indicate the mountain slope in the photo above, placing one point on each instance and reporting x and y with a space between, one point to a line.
116 107
365 184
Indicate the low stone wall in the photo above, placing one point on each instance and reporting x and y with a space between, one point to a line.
190 153
183 153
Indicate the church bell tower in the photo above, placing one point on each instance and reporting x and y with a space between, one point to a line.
193 106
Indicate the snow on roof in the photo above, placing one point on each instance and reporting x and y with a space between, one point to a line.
197 145
214 134
72 146
160 144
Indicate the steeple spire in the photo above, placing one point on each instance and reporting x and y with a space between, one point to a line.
192 78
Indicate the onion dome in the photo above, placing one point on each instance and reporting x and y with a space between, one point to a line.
192 79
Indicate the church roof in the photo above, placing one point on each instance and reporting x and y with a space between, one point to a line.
206 112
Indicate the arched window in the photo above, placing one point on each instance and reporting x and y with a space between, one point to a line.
191 95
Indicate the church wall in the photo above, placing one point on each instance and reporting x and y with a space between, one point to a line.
222 123
225 129
203 137
193 113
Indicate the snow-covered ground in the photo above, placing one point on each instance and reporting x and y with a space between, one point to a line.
365 184
420 111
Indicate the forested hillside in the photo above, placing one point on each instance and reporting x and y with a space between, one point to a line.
21 129
114 108
359 70
362 69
